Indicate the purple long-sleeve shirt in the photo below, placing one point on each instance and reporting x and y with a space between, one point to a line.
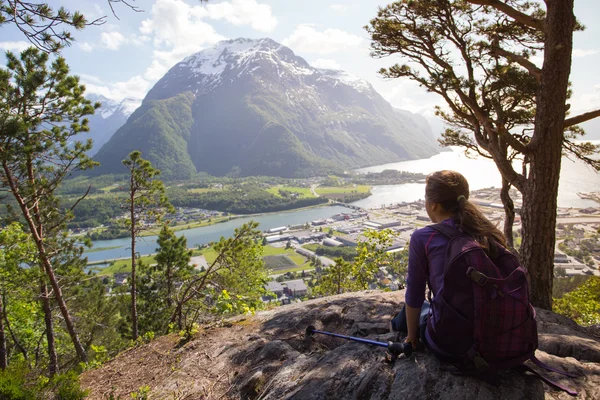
426 258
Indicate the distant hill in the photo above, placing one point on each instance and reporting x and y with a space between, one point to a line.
107 120
252 107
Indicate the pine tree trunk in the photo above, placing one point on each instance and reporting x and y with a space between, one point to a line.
134 316
509 212
35 227
53 359
3 352
541 187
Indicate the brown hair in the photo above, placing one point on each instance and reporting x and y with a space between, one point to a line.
451 190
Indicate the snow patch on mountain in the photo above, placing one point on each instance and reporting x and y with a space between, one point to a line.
345 78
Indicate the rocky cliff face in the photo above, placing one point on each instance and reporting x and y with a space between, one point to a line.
268 357
255 106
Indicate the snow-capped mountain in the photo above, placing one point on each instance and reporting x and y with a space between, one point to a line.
107 119
255 105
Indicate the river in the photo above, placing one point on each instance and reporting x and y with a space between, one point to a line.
481 173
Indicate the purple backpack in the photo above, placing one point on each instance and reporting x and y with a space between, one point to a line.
482 315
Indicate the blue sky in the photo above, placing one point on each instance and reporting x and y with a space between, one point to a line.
126 56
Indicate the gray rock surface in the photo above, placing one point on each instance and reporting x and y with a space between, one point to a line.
267 356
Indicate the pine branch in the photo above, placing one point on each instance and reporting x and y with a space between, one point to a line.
581 118
517 15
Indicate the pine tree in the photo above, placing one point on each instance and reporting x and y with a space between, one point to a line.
42 108
146 204
160 282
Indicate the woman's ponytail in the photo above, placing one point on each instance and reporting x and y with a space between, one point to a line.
451 190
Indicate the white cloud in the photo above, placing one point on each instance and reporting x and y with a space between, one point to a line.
177 30
586 101
326 64
338 7
112 40
308 40
408 95
87 79
135 88
15 46
244 12
85 46
583 53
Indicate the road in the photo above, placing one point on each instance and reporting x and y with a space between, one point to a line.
313 191
578 220
305 252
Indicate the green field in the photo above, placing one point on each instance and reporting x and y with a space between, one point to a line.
303 191
101 249
125 265
311 246
278 262
325 190
298 260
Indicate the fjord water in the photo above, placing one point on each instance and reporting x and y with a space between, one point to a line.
206 234
481 173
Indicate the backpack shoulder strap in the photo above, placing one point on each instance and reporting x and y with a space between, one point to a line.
446 230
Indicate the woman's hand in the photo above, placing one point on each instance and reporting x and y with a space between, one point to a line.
415 342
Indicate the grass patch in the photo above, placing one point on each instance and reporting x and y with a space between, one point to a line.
278 262
311 246
302 191
191 225
125 265
325 190
211 255
96 249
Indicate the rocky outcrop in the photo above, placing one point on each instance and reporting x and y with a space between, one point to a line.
267 356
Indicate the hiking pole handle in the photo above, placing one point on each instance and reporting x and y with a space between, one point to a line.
397 348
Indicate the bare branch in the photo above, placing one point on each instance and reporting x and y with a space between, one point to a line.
517 15
581 118
522 61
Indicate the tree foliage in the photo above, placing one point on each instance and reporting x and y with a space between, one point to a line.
582 304
372 254
232 283
46 27
336 280
160 282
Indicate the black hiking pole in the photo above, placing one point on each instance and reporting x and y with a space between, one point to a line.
394 348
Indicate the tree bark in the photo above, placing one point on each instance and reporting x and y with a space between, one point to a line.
35 227
509 213
134 316
3 352
541 187
53 358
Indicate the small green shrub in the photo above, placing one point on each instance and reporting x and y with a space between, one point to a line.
13 383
